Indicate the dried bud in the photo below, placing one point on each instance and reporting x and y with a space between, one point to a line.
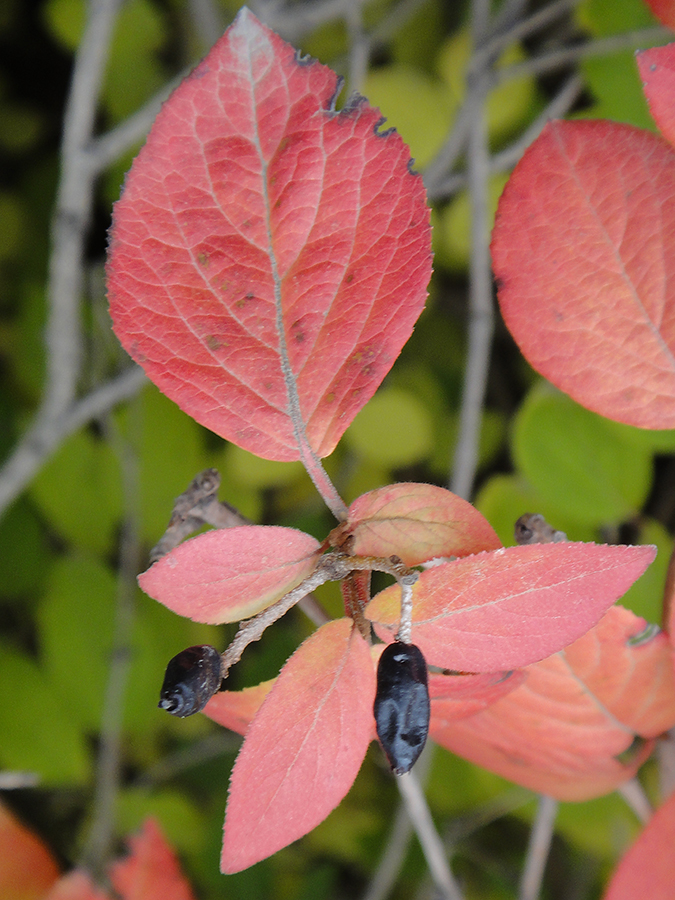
191 679
402 704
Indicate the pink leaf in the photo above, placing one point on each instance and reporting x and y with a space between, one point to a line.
584 256
648 868
235 709
151 871
269 255
512 606
457 696
304 747
75 885
561 732
231 573
416 522
664 10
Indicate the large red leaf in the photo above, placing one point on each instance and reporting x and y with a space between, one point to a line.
561 731
269 255
657 70
416 522
513 606
151 871
231 573
235 709
664 10
304 747
584 256
648 868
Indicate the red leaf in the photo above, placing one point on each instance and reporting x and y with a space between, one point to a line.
416 522
236 709
648 868
512 606
269 255
151 871
561 731
657 70
584 258
664 10
27 868
231 573
457 696
304 748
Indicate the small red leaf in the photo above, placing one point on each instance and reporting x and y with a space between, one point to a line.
457 696
75 885
270 255
648 868
151 871
231 573
416 522
304 747
27 868
561 731
513 606
235 709
588 287
657 70
664 10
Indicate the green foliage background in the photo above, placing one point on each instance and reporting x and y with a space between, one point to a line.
62 610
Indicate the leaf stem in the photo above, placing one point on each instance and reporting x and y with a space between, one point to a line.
538 848
432 845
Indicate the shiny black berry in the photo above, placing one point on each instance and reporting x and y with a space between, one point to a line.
191 679
402 705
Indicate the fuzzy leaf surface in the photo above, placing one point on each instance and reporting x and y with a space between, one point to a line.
588 288
648 868
657 70
561 732
235 709
304 747
416 522
230 574
269 255
511 607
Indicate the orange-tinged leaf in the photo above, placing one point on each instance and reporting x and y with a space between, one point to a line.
416 522
231 573
236 709
510 607
151 871
304 747
27 867
648 868
588 287
76 885
657 70
561 731
270 255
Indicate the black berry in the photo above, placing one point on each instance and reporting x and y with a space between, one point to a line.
191 679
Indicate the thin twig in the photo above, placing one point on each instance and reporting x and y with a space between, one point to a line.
432 846
98 845
634 795
538 848
508 28
18 781
507 158
480 305
47 432
557 59
206 17
359 48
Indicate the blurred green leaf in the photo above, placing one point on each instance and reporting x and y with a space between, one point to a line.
36 733
394 429
645 597
178 817
419 107
79 492
584 465
25 557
